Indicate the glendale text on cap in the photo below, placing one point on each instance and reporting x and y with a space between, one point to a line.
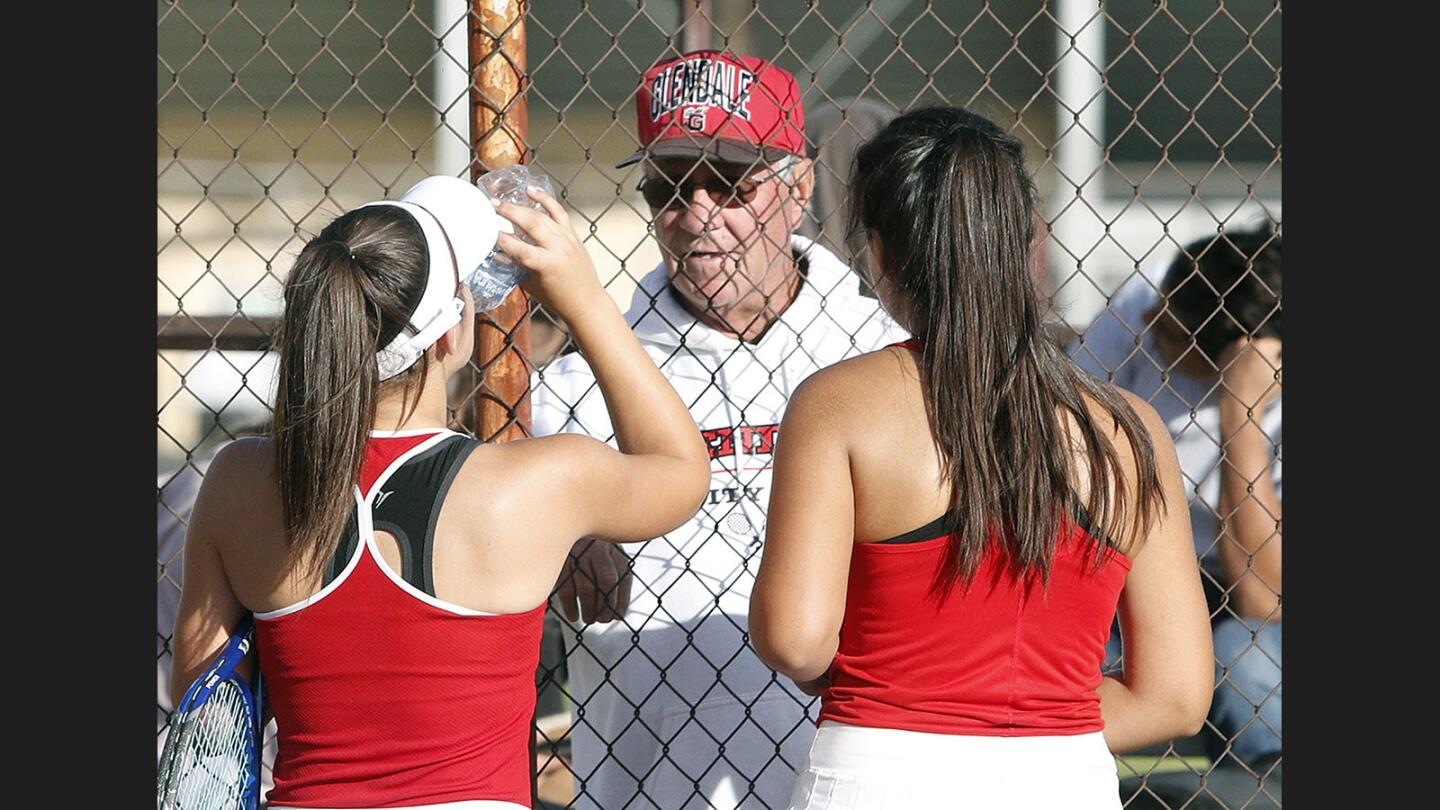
735 109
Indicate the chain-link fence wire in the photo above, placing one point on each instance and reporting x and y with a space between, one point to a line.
1147 125
273 119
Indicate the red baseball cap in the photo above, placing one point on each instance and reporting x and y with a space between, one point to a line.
730 108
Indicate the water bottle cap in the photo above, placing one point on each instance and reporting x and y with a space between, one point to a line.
460 228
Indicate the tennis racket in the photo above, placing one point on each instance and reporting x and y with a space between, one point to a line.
211 759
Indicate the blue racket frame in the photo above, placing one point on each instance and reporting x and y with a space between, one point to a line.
239 645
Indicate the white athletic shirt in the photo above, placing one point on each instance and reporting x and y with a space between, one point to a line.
1187 405
691 595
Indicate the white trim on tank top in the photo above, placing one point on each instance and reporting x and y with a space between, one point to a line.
367 535
367 531
412 432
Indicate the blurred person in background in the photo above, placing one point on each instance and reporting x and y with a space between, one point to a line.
673 708
956 518
1200 340
399 571
836 129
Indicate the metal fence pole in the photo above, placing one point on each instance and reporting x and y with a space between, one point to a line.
1079 154
695 28
499 129
451 80
498 126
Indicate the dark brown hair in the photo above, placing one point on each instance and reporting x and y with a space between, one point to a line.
946 193
1225 287
351 291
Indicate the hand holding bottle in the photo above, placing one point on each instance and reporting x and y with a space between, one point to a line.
498 275
561 275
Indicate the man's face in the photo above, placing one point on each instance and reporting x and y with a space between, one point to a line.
724 253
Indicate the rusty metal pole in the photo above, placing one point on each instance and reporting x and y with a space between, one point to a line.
498 127
498 79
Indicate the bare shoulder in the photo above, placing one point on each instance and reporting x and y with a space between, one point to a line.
857 386
1153 429
1150 420
1149 417
241 487
242 467
247 451
541 451
1109 425
556 461
888 360
532 488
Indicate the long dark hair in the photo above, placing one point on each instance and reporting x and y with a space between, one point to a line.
946 192
1226 287
351 291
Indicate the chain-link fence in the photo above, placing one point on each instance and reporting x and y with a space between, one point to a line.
1149 127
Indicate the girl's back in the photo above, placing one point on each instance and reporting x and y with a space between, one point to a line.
398 570
492 543
933 562
1028 655
388 680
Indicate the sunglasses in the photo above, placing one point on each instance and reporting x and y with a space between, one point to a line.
661 193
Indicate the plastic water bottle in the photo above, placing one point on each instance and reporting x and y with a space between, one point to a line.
498 274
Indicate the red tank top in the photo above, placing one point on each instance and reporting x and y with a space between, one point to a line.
384 695
993 659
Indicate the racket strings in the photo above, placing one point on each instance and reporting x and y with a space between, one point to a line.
210 756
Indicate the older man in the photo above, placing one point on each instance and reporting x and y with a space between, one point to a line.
673 708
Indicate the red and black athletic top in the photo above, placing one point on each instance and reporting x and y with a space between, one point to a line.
386 696
995 659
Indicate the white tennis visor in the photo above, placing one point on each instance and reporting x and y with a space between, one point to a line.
460 227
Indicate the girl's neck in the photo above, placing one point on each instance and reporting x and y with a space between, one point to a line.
392 411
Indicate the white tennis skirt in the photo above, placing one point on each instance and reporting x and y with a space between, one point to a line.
857 768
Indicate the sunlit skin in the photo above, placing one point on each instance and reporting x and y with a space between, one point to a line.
732 267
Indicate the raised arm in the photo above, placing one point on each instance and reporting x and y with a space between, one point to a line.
1249 504
661 473
798 601
1165 689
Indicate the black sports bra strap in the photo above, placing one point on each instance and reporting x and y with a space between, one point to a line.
929 531
348 541
936 527
408 506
